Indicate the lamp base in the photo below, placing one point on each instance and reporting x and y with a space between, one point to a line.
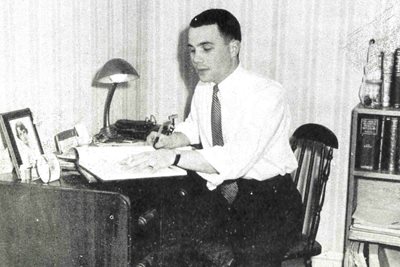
106 134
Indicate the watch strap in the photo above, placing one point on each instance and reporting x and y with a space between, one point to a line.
177 158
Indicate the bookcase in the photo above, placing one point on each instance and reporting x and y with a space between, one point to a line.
373 197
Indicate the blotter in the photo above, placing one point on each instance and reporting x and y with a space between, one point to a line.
104 163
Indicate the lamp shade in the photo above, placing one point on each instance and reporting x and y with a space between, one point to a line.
116 70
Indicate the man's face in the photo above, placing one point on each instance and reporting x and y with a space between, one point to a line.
212 56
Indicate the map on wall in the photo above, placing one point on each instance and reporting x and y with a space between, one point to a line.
384 29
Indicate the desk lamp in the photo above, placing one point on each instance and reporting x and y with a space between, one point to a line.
114 72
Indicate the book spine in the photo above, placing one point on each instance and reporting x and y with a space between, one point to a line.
381 144
387 79
377 103
397 150
396 79
393 137
369 136
385 143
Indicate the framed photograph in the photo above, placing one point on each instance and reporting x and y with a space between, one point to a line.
22 140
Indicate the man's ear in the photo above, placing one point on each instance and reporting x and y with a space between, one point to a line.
234 46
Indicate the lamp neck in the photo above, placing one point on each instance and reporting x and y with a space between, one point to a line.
110 95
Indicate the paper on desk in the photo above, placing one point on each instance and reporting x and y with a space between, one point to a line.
104 163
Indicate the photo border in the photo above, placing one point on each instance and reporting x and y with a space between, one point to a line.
8 135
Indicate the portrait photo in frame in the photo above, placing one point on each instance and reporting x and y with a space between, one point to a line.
22 141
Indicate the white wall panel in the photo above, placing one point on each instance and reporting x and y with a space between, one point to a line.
51 50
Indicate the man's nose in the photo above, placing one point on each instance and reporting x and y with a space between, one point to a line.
196 58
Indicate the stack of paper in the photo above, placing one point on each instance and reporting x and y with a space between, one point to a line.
378 218
105 163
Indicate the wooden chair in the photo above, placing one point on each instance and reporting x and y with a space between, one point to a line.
313 145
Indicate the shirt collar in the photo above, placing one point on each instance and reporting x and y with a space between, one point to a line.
232 79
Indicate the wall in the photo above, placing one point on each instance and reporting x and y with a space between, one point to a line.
51 50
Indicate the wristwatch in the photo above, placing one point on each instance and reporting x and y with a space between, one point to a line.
177 158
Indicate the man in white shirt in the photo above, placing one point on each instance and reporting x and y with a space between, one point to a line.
246 158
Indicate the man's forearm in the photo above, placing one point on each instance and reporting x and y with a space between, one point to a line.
189 159
193 160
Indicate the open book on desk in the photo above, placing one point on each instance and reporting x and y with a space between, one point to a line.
104 163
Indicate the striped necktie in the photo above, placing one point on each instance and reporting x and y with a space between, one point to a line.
216 125
228 189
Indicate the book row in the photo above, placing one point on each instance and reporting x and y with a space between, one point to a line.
377 147
381 88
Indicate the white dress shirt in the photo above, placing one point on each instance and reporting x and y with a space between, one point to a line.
255 128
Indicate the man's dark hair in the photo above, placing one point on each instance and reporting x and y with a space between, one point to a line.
228 25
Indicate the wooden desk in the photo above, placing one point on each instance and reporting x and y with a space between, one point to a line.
73 223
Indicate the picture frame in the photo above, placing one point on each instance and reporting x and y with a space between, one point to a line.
22 140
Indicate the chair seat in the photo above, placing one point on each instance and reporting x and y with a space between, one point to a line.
298 250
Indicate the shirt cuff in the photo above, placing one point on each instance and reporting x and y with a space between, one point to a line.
213 180
216 156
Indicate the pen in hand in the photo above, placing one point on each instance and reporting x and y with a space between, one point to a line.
158 135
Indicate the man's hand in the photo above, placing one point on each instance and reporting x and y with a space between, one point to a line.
167 141
157 140
153 160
